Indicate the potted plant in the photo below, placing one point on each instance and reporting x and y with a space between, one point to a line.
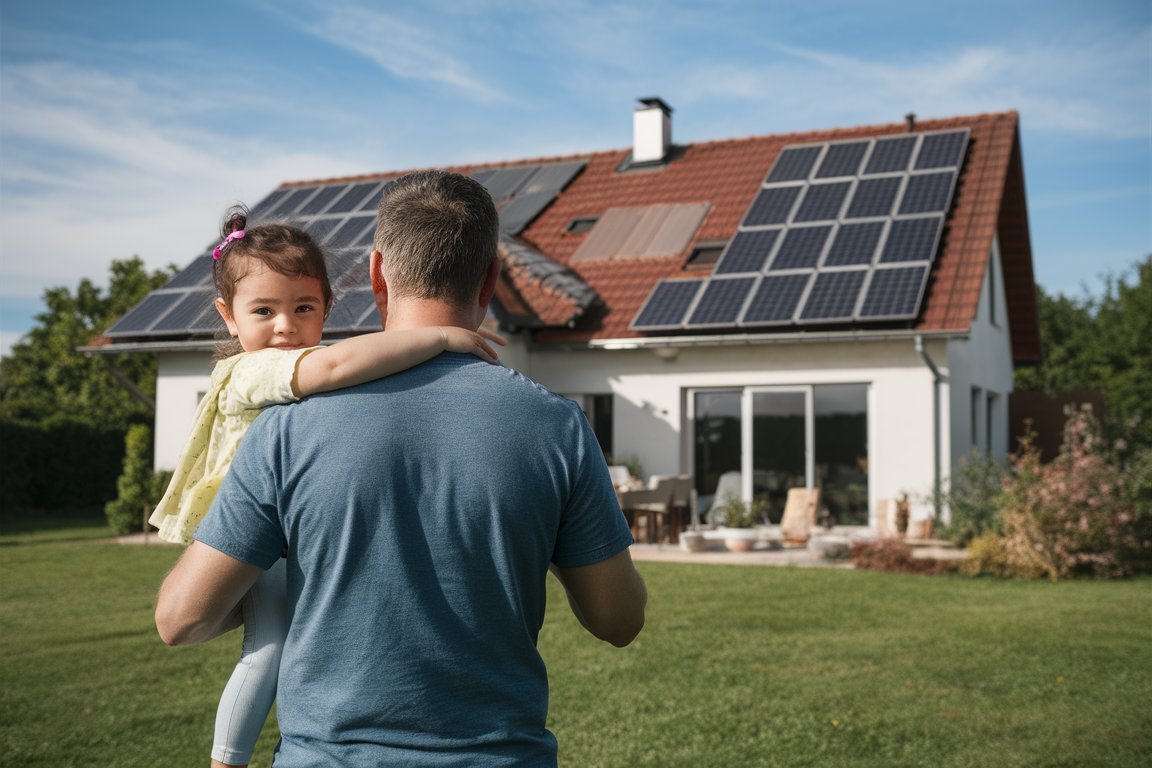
740 519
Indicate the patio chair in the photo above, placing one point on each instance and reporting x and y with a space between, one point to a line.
619 474
799 515
728 484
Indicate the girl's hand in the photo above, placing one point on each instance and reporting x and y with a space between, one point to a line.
472 342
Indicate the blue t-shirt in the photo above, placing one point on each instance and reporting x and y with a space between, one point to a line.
421 513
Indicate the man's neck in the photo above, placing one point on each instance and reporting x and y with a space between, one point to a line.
423 313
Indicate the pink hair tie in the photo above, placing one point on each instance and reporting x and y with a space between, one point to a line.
220 248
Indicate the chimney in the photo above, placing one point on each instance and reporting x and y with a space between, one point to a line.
651 131
910 121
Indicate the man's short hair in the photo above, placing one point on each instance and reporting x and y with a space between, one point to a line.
438 233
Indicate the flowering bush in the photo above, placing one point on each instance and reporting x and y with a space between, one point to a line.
1080 514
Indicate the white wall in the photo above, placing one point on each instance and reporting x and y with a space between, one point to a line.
650 397
181 378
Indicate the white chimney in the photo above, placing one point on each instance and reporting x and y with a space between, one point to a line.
651 130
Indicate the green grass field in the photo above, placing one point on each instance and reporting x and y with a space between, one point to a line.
738 666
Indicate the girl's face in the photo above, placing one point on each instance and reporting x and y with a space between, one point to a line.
272 310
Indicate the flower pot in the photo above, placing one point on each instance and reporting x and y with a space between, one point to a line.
692 541
740 539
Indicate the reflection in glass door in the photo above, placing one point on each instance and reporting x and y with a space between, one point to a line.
777 445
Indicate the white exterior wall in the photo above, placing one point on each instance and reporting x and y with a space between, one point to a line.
181 378
651 398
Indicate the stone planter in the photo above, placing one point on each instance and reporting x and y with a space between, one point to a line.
740 539
692 541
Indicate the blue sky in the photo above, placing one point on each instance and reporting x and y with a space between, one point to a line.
127 127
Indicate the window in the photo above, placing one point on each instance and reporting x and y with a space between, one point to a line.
770 439
705 255
598 409
992 290
976 400
583 225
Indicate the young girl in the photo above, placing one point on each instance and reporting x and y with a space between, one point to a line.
274 298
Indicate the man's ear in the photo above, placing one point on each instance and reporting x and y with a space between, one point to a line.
226 316
488 287
379 284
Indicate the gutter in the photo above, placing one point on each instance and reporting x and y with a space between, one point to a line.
937 452
744 339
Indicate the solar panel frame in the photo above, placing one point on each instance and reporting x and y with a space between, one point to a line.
823 202
887 286
145 314
928 192
772 205
942 149
874 197
354 196
913 239
775 299
721 302
854 244
747 251
890 154
801 248
794 163
833 296
667 305
842 159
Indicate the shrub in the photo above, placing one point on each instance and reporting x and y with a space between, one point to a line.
895 556
974 498
733 512
1077 515
987 556
125 513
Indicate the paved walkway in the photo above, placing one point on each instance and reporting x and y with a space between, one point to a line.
716 554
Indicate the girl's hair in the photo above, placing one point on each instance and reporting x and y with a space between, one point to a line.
290 251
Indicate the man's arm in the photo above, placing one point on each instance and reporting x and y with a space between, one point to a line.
200 596
607 597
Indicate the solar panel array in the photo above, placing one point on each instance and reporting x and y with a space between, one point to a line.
839 232
341 216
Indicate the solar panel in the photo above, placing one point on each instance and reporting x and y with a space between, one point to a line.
350 231
842 160
771 206
318 203
199 272
318 228
942 150
293 201
721 301
874 197
552 178
267 205
775 300
209 321
912 240
833 295
747 252
188 309
350 310
854 244
794 163
894 294
483 174
801 248
523 208
891 154
372 202
353 197
145 314
823 202
928 193
667 305
507 181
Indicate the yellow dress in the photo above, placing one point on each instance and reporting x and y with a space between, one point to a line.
240 387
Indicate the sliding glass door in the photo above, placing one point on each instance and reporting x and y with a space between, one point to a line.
760 441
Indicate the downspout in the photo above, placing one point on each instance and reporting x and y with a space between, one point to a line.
937 454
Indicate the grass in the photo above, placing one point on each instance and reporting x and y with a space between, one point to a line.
738 666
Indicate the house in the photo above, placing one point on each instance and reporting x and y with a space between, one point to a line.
840 309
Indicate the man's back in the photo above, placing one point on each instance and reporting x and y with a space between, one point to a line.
421 514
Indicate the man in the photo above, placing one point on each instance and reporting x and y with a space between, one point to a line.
421 514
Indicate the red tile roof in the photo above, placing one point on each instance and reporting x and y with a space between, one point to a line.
988 204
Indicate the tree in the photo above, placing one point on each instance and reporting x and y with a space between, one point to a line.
45 378
1103 344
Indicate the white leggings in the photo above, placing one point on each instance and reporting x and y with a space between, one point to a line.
247 699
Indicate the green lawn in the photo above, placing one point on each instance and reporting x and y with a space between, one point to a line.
739 666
